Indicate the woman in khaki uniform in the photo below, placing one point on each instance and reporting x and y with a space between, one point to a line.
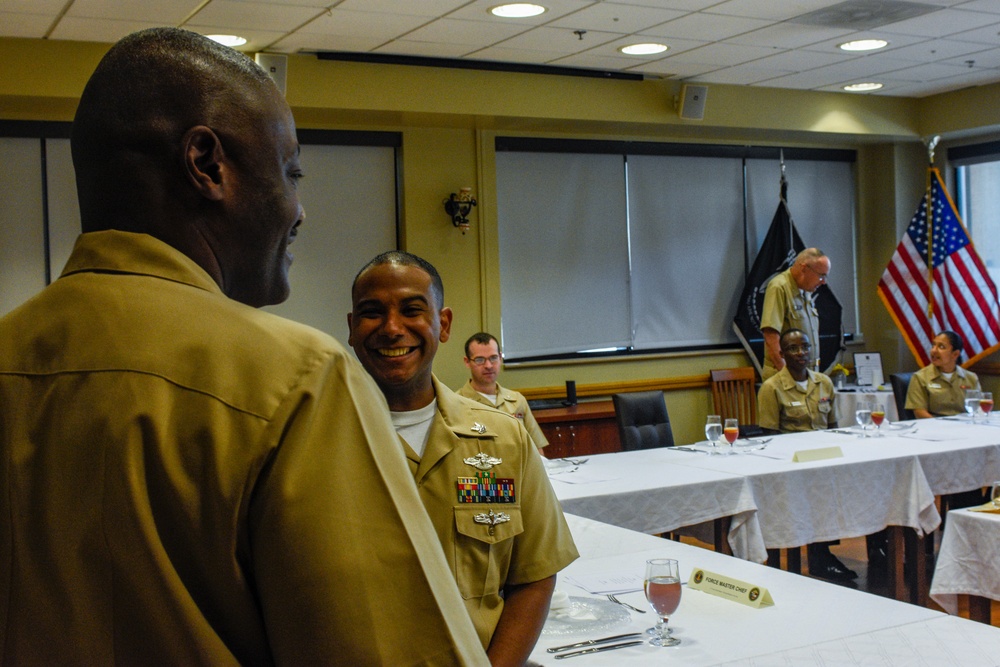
938 390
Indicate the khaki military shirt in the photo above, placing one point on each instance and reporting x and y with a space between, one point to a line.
190 481
484 485
512 403
783 406
788 307
929 390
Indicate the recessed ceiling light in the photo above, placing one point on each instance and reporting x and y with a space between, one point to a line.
862 87
648 49
518 10
228 40
864 45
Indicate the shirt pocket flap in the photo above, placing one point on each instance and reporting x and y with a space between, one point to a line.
478 523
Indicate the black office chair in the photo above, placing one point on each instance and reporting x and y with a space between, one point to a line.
642 419
900 385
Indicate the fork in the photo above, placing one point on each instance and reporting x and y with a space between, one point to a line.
576 462
612 597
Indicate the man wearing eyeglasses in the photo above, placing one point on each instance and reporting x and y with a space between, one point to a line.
797 399
788 304
482 358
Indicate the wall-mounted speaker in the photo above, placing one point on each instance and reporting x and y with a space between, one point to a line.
693 102
276 65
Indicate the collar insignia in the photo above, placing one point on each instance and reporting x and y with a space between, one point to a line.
483 461
478 428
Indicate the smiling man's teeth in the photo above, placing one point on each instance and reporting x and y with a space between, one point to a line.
393 351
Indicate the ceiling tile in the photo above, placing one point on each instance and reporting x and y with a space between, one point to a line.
97 30
561 40
743 75
472 33
788 36
706 26
165 12
940 23
935 50
376 28
25 25
772 10
618 18
36 7
723 55
238 16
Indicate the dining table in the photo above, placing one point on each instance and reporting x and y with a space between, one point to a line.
847 398
810 622
968 564
794 489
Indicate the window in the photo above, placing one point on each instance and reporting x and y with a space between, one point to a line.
977 191
628 247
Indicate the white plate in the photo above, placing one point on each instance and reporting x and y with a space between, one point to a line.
585 615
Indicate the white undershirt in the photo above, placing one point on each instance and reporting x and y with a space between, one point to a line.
948 376
803 384
492 398
415 425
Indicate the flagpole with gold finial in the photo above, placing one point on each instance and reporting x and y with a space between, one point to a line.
931 145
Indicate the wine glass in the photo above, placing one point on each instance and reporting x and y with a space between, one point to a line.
972 402
878 416
713 429
731 431
995 495
663 592
986 404
863 415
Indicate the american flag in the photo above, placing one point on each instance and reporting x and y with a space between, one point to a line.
963 296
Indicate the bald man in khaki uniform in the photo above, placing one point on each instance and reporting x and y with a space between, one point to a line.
788 304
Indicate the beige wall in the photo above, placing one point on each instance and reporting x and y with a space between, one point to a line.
449 119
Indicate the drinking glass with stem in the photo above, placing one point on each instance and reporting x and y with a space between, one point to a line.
986 404
663 592
731 430
972 397
995 495
713 430
878 416
863 414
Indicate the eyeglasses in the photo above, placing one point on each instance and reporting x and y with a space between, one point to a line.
796 349
493 359
821 276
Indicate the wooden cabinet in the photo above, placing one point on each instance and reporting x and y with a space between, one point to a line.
579 430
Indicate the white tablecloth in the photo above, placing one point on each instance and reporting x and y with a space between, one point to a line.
969 560
647 491
808 615
847 403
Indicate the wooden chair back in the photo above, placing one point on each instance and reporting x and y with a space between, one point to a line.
734 394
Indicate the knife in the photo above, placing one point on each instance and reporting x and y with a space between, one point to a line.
591 642
686 449
598 649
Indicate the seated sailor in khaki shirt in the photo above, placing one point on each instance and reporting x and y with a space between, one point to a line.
797 399
482 358
477 471
938 390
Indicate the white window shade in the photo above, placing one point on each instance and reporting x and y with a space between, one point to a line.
563 252
686 226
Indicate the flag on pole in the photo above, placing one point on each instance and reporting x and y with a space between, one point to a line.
957 295
776 254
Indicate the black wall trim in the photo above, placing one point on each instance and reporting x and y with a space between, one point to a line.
35 129
529 144
487 65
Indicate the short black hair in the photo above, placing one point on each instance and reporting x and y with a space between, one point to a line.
482 338
956 341
403 258
788 332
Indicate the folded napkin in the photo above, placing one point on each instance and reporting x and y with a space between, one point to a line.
989 508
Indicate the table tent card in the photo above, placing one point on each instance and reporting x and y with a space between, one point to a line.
730 589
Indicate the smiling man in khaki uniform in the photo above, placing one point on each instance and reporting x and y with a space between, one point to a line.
186 479
482 358
477 471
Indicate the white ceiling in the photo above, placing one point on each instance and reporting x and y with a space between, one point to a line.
744 42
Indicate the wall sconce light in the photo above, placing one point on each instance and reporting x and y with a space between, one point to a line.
458 206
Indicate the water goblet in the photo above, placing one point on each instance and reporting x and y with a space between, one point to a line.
995 495
863 415
713 430
972 403
731 430
663 592
986 404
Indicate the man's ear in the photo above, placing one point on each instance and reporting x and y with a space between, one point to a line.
445 325
204 161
